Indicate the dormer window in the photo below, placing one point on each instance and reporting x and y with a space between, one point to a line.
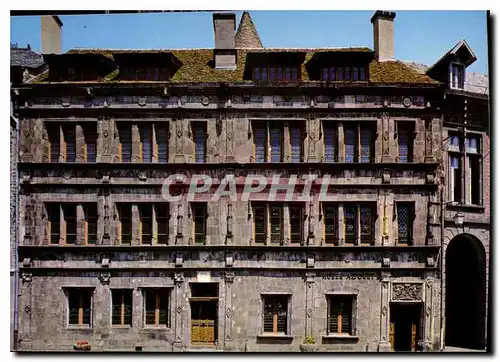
344 73
276 74
457 75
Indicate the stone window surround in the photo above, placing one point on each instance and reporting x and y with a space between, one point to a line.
132 290
166 289
354 315
288 333
66 289
81 130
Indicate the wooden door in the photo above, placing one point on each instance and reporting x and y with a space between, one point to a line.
391 334
203 316
413 336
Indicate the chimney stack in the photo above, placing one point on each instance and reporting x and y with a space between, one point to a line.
51 34
383 35
224 30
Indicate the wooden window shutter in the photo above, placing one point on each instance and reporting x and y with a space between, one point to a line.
155 141
391 334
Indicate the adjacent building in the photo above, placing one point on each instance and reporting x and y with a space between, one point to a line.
107 263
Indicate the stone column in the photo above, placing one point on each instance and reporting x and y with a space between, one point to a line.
340 145
229 139
229 310
287 149
104 140
136 233
102 311
136 141
81 147
179 139
310 140
25 309
179 301
340 230
383 344
383 124
427 338
429 154
286 225
80 225
310 278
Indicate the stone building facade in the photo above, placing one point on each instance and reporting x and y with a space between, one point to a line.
109 264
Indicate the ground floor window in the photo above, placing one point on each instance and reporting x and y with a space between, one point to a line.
156 307
122 307
340 314
79 306
276 314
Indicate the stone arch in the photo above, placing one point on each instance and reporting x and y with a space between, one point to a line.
465 288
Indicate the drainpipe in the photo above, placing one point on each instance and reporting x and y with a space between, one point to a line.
441 264
16 245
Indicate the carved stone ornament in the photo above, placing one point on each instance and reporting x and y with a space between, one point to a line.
178 277
104 278
65 101
205 101
26 278
229 277
105 133
229 312
142 101
407 102
407 291
27 133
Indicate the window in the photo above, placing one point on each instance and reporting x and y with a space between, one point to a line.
465 174
457 76
90 211
156 308
162 219
296 219
146 143
275 136
125 225
330 142
54 217
268 222
121 307
473 179
125 142
260 223
79 306
276 314
296 144
276 73
405 141
359 140
359 223
340 314
69 213
162 142
146 223
405 215
69 146
269 138
199 135
330 221
356 73
90 148
200 222
54 135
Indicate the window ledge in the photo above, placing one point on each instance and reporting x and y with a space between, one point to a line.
340 336
465 206
155 328
277 336
79 328
120 327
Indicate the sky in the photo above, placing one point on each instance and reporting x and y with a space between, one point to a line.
420 36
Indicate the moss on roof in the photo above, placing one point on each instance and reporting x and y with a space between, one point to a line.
197 65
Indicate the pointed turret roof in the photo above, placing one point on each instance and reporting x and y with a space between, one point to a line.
246 35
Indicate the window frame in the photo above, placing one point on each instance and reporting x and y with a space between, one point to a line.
166 292
335 208
283 71
68 292
460 81
468 176
302 212
201 127
408 128
410 222
330 296
203 207
122 208
344 73
334 127
87 208
288 310
359 127
358 236
124 130
123 291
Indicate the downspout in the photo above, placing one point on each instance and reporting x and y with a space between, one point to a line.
16 255
441 263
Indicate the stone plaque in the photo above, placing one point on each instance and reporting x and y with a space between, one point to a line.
407 292
203 277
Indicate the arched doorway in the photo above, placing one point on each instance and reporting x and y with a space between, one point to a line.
465 293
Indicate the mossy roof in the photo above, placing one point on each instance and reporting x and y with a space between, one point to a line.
197 65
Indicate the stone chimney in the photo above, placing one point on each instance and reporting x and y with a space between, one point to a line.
383 35
224 30
51 34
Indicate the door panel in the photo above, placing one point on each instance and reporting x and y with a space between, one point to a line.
203 325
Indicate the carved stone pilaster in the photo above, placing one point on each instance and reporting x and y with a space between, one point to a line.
179 140
428 313
383 344
310 278
229 140
386 156
178 315
228 313
429 154
312 134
